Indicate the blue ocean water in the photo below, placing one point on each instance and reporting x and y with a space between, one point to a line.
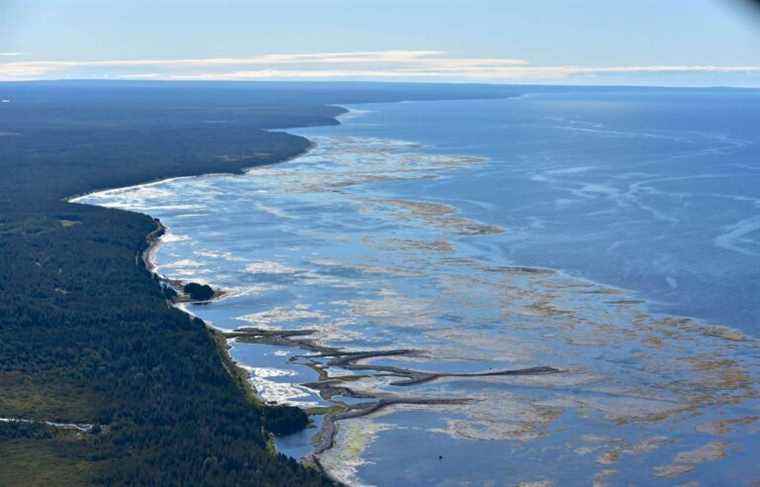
655 192
613 235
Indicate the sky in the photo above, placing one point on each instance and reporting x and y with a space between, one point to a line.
654 42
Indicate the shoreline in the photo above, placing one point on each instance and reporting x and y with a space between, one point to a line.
325 438
110 314
237 372
146 258
328 387
240 171
328 430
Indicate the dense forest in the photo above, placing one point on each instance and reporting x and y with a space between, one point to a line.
87 336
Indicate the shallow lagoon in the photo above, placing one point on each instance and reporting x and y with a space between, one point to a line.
575 231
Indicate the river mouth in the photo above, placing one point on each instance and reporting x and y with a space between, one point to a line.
393 318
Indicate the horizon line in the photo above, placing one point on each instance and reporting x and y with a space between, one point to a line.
569 84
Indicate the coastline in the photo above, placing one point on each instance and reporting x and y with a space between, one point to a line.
240 170
153 244
97 311
146 258
110 259
240 376
326 436
153 239
324 439
239 373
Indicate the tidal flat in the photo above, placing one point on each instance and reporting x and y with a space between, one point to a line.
523 290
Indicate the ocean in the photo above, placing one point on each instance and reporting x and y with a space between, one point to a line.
563 286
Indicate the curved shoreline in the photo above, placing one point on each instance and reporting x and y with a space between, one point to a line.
347 360
81 307
328 387
146 258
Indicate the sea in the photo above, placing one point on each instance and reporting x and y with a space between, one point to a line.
559 288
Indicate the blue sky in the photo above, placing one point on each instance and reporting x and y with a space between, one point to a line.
663 42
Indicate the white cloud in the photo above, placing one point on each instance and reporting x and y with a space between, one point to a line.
11 53
482 74
367 65
400 57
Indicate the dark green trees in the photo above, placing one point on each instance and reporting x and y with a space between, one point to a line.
198 292
284 420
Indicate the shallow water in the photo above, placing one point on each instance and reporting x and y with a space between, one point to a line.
573 231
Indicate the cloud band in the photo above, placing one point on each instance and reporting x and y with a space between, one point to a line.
389 64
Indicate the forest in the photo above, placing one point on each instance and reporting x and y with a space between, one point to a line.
87 336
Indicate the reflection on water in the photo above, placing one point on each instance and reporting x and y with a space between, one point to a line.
333 242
